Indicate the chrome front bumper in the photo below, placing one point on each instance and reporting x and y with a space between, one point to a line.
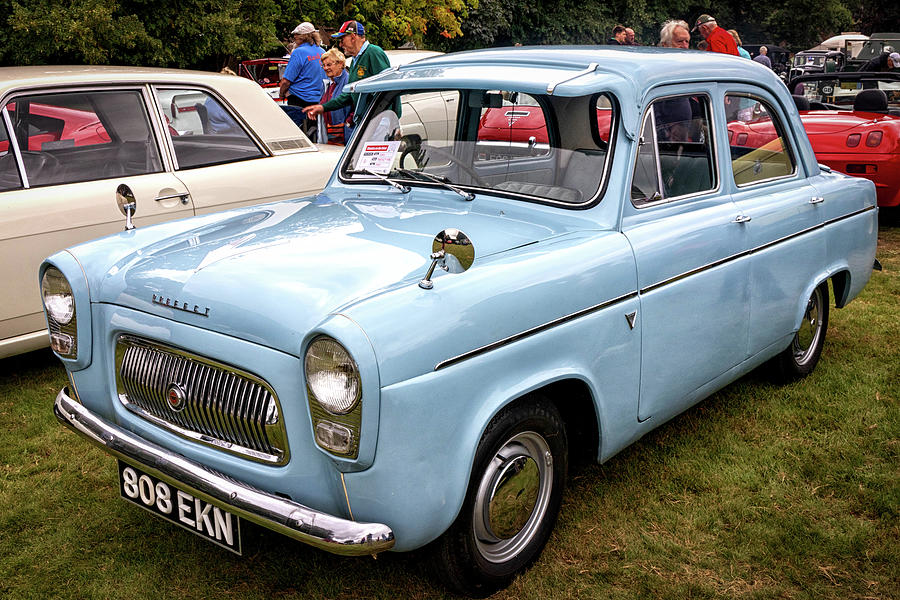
294 520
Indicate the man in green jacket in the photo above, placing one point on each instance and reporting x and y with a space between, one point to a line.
368 60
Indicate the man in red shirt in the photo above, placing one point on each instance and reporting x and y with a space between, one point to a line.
717 39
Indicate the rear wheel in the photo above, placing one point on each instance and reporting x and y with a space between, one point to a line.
800 358
512 501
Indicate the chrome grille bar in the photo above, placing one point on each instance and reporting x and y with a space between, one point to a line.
223 406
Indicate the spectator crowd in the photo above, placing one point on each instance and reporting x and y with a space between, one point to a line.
314 81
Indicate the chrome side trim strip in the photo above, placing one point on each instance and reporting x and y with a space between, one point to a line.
765 246
318 529
533 331
586 311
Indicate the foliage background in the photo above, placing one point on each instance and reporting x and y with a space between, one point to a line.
210 34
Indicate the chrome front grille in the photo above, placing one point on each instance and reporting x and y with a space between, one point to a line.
201 399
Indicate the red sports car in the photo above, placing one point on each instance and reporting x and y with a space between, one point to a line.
853 123
55 123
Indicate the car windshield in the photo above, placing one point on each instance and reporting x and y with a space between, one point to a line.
809 59
842 93
528 146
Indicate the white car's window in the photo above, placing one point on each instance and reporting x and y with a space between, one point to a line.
675 155
542 147
202 130
82 136
759 149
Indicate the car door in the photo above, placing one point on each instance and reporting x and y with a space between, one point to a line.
63 154
221 161
694 288
780 209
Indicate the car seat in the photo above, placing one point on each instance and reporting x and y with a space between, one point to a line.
802 102
874 101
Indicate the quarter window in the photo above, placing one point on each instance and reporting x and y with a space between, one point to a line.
82 136
675 155
202 130
759 148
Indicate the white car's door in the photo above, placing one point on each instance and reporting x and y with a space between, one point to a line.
70 152
224 165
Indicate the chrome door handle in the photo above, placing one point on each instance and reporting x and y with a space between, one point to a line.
183 196
816 200
741 219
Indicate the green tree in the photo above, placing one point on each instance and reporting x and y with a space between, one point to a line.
84 31
805 23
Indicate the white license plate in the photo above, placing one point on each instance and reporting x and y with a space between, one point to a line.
197 516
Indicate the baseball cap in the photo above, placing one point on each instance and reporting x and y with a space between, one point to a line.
895 57
304 27
703 19
350 27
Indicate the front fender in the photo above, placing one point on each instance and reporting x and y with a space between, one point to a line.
431 425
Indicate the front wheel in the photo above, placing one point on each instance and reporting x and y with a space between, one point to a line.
800 358
512 501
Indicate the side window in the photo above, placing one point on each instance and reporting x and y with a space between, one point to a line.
202 130
759 149
9 170
675 155
516 129
82 136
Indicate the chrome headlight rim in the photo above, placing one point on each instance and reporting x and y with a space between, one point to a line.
58 300
322 350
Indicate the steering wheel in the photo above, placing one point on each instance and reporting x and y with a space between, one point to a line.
415 152
449 156
38 165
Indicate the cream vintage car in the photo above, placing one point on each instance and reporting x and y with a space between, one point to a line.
182 143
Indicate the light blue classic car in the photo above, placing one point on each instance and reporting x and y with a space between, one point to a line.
525 256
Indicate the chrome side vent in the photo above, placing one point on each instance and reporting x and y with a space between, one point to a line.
201 399
287 144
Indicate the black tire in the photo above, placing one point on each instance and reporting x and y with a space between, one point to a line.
800 358
486 546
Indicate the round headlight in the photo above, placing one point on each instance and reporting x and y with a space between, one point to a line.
57 294
332 376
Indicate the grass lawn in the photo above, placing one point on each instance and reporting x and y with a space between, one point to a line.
760 491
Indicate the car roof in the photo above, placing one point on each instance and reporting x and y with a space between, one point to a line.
565 69
249 99
403 56
50 75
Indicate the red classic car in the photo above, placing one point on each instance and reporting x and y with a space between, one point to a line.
853 124
267 72
523 119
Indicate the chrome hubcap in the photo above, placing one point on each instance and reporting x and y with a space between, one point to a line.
810 329
513 496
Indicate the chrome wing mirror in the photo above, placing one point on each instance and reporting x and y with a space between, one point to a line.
453 251
127 204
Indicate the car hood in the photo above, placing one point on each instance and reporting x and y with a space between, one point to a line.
273 272
828 122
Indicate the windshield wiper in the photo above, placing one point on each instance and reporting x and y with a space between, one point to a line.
392 183
469 196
